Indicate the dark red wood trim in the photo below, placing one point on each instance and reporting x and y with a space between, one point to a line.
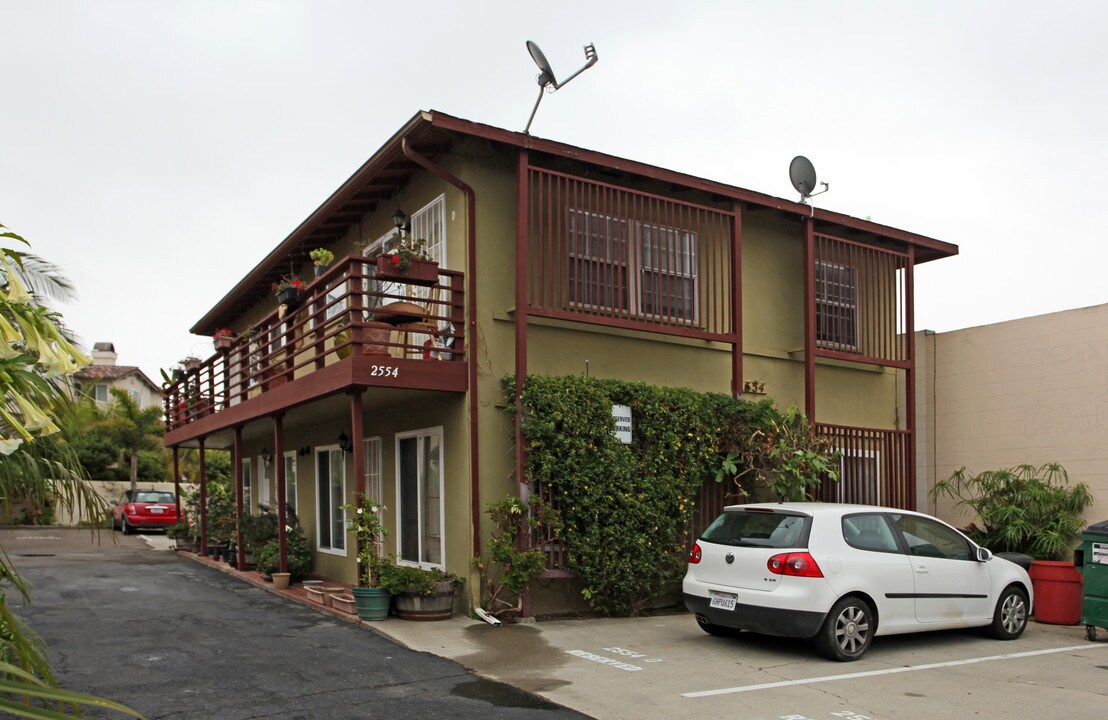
203 500
357 439
910 372
471 333
550 147
809 276
177 482
737 303
355 371
628 324
279 462
854 357
522 215
236 468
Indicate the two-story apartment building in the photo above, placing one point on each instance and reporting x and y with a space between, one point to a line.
552 259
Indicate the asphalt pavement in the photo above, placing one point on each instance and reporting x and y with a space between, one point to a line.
172 638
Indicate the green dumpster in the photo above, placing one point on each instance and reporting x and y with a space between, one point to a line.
1091 560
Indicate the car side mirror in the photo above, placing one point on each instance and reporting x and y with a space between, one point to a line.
984 555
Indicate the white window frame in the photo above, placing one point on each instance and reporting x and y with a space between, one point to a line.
338 534
247 482
96 393
290 481
421 435
136 395
428 223
264 495
628 251
832 308
869 458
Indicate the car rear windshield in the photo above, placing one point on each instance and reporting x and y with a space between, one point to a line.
154 497
759 529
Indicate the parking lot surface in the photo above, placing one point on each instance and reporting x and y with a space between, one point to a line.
666 667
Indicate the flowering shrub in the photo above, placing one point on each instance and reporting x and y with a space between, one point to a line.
369 533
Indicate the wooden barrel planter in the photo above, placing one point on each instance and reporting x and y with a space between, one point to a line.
439 605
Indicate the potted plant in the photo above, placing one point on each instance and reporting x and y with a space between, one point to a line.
1033 511
364 521
420 594
222 339
287 290
408 261
321 258
299 555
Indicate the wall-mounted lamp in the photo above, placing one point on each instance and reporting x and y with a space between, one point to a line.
265 455
304 451
400 220
344 442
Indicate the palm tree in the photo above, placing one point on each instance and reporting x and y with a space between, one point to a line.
133 429
36 359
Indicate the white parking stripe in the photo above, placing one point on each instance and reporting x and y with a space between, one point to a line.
889 671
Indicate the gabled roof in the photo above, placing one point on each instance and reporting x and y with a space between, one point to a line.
432 133
112 373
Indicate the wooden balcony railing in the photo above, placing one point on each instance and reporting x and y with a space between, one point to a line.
607 255
875 469
350 311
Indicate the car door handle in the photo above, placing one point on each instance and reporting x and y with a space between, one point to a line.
921 569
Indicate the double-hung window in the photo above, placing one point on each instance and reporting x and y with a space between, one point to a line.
427 224
634 268
836 306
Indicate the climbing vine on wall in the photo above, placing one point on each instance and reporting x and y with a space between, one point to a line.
627 508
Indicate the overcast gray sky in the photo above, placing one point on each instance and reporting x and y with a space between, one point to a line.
158 150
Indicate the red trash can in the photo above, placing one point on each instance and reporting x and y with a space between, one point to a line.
1057 586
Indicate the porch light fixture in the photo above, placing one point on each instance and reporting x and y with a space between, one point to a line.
400 220
304 451
344 442
265 455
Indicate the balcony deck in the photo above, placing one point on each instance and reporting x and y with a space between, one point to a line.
355 327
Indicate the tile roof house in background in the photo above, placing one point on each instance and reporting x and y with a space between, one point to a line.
96 380
551 259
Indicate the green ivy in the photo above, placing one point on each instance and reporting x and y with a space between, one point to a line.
626 509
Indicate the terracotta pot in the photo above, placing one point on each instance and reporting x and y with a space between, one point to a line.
281 580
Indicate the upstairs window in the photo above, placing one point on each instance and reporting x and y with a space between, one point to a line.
836 306
632 267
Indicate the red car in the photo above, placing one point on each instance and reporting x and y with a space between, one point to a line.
146 510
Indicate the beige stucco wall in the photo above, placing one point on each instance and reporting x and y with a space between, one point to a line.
1033 390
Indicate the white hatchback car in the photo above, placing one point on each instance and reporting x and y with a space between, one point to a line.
841 574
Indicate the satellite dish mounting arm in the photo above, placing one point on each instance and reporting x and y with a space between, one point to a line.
546 78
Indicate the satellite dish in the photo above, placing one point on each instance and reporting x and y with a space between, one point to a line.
802 174
546 75
546 78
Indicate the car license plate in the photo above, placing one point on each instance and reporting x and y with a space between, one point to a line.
722 600
157 510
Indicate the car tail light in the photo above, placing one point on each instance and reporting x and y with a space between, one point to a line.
798 564
694 554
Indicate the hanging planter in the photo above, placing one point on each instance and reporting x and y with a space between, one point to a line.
287 290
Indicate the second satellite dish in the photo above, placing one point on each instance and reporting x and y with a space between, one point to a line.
802 174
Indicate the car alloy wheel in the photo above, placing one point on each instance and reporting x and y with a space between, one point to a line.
847 631
1010 617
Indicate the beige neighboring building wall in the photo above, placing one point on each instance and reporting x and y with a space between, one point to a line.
1033 390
